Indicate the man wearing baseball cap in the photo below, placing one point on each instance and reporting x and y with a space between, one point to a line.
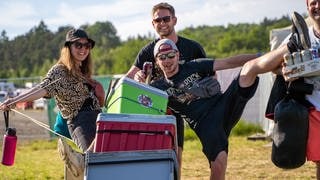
194 93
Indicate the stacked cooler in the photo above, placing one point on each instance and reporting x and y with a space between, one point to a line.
135 139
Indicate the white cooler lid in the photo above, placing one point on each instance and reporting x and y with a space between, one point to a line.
147 118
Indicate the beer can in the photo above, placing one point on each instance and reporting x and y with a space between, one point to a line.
147 67
288 59
306 55
296 56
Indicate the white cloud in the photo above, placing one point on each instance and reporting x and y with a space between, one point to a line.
13 16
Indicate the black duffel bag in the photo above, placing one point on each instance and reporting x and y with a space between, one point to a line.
289 134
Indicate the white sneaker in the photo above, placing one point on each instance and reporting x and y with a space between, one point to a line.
73 159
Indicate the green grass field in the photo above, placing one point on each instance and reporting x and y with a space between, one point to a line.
247 160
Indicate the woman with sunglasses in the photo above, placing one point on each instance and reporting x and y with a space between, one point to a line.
69 82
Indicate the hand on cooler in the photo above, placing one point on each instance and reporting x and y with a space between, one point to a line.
140 76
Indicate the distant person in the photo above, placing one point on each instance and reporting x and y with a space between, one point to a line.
163 21
69 81
10 93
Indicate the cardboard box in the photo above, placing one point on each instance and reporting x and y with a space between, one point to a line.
135 165
127 132
133 97
305 69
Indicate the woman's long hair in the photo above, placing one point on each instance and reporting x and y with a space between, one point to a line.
68 60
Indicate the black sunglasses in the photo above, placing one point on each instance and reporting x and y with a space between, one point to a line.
164 19
79 45
163 57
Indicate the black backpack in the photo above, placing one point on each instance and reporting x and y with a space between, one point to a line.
289 138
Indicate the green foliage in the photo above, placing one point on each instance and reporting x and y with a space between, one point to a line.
245 128
189 134
33 53
241 129
219 41
104 34
124 56
35 160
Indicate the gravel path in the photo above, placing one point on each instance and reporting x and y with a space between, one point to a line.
26 129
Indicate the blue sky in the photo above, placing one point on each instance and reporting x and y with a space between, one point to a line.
131 18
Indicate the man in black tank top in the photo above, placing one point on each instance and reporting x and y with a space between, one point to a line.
163 21
195 93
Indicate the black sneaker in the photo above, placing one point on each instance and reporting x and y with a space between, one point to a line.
299 39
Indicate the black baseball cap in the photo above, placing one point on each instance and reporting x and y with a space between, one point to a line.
75 34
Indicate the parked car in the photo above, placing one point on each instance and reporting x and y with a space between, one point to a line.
40 103
3 95
24 105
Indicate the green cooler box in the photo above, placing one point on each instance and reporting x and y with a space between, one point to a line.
132 97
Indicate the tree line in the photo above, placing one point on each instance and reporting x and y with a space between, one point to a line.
33 53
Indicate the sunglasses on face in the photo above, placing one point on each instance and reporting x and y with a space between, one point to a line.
163 57
164 19
79 45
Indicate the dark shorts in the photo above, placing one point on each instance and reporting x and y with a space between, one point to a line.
83 128
214 129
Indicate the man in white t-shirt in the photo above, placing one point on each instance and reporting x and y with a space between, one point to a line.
313 38
313 145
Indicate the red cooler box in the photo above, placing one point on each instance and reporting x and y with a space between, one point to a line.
129 132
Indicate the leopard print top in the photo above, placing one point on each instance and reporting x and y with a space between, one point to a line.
69 92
